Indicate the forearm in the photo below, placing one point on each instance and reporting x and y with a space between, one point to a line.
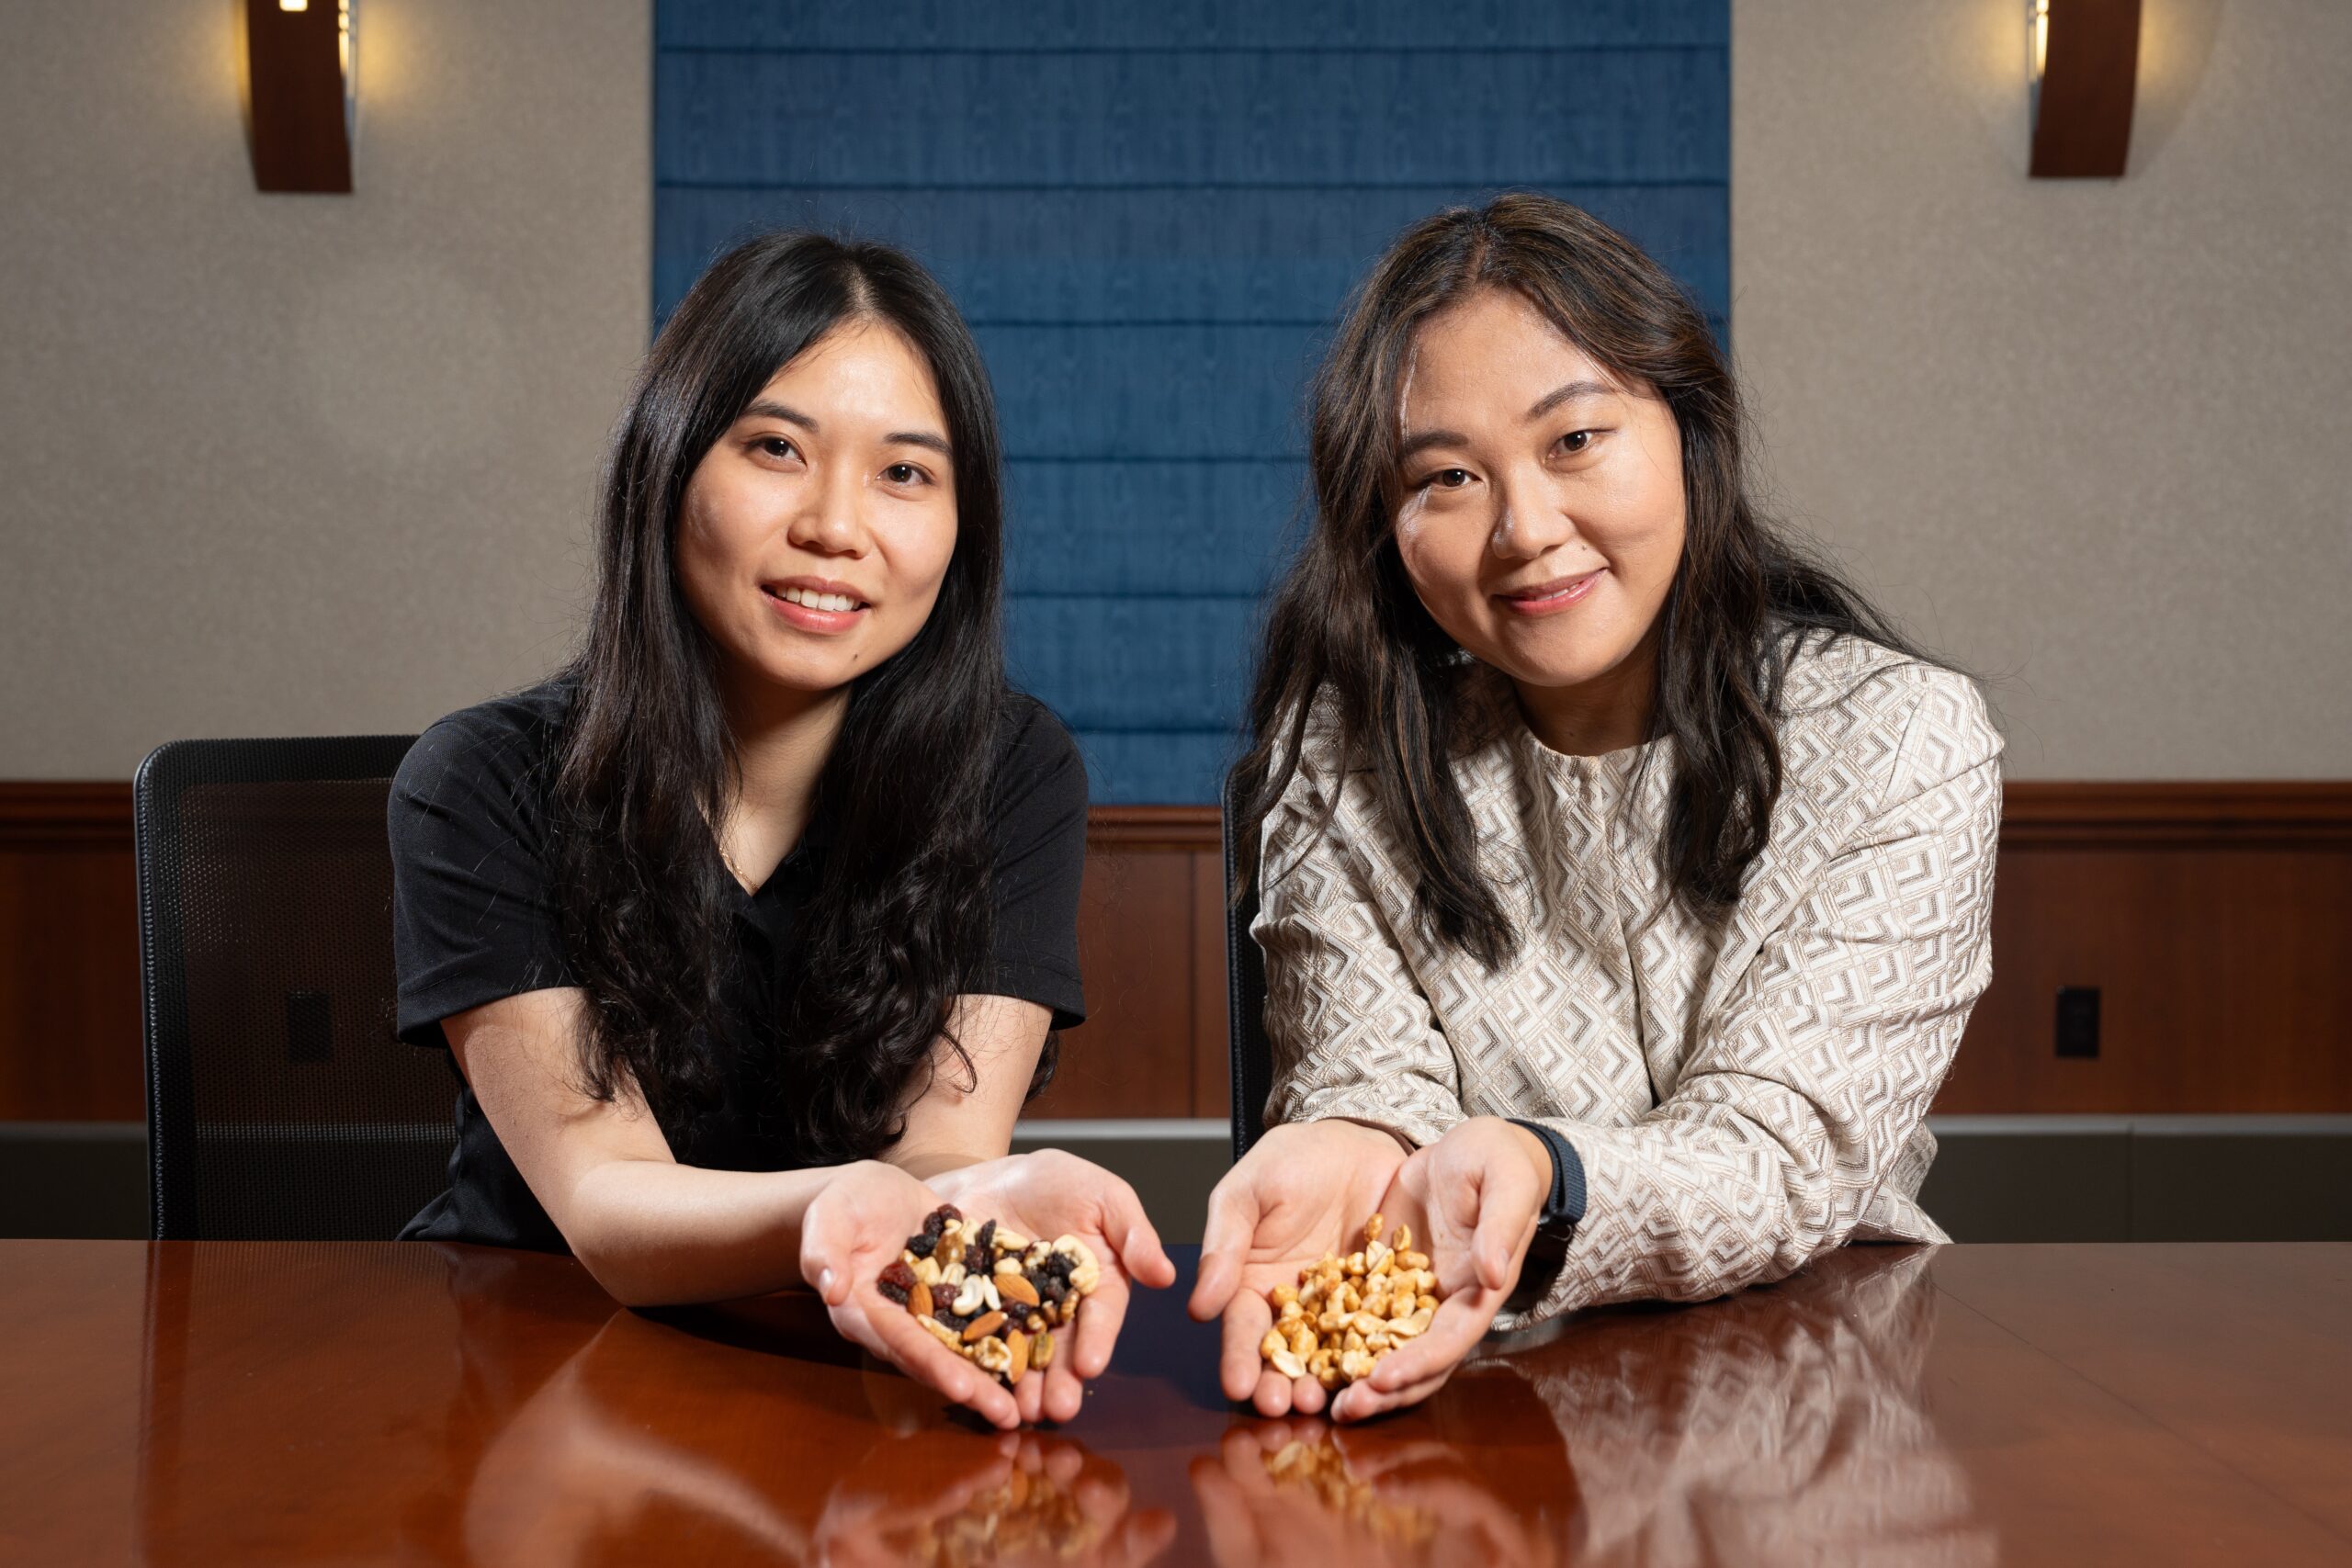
654 1233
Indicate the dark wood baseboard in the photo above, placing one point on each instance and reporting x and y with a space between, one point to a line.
2216 919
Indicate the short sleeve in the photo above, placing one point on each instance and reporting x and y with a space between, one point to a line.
1040 806
473 911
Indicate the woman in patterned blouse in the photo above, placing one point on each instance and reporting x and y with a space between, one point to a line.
1624 878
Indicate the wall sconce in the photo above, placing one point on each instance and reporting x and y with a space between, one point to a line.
2084 55
301 103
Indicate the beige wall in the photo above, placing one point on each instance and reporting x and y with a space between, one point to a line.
2092 438
275 464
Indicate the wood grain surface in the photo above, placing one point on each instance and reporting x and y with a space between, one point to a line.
2211 917
205 1403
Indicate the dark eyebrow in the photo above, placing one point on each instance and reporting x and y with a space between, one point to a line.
923 438
1562 394
1415 445
764 408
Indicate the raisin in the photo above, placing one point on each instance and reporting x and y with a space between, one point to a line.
896 1282
1053 1290
978 1260
988 1239
946 1212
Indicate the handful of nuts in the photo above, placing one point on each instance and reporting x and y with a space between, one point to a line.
1345 1314
993 1297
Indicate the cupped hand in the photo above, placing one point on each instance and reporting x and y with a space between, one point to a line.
1473 1198
1306 1189
1053 1193
853 1230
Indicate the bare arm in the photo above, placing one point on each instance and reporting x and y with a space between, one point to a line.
650 1230
961 1117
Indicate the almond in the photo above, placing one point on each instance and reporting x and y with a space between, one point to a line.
919 1299
1018 1343
1016 1288
981 1328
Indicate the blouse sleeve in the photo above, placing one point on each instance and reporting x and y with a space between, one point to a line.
1352 1032
1805 1087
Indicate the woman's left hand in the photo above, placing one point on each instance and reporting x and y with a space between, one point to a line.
1473 1198
1052 1193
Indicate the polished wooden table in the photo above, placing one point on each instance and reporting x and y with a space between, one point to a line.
356 1403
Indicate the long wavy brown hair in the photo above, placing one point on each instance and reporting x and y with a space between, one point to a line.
1347 635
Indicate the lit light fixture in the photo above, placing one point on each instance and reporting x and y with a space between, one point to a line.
2084 55
302 102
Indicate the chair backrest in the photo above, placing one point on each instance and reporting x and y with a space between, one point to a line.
279 1104
1245 969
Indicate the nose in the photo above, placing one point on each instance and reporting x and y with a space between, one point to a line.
1529 519
832 519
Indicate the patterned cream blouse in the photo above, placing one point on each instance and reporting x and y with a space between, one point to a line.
1744 1095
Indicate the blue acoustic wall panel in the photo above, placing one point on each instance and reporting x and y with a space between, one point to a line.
1150 214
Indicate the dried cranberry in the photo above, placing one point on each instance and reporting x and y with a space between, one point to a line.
897 1283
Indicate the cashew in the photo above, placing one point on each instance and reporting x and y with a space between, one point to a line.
972 1298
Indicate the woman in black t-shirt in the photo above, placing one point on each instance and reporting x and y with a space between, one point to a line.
748 931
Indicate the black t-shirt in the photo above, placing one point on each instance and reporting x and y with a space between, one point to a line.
474 920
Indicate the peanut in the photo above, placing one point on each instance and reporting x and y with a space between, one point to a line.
1347 1312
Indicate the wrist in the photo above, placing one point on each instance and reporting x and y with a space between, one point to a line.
1538 1155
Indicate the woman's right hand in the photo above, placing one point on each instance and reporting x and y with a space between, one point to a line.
1306 1189
853 1231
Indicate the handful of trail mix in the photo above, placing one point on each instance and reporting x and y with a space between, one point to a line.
992 1296
1345 1314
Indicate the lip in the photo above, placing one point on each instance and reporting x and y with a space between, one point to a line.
807 619
1551 598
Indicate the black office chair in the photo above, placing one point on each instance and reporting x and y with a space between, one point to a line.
279 1104
1245 990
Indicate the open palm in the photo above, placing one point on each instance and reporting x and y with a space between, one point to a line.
1049 1194
1306 1189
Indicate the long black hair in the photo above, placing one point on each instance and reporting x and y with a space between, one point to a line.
898 924
1347 629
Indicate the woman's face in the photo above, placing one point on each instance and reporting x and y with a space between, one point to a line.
1541 518
815 532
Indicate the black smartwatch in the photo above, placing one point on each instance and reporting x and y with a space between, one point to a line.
1564 1205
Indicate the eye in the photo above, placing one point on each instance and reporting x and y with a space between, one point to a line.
905 474
1577 441
775 447
1447 479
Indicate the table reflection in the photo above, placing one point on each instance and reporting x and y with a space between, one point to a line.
589 1467
1784 1425
418 1403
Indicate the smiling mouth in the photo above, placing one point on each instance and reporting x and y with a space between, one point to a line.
809 599
1556 595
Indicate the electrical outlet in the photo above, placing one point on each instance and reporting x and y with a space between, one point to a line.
2078 1021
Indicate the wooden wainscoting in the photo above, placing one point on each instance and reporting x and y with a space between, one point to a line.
2215 918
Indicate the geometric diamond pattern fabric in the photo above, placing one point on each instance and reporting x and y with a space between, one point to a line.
1745 1093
